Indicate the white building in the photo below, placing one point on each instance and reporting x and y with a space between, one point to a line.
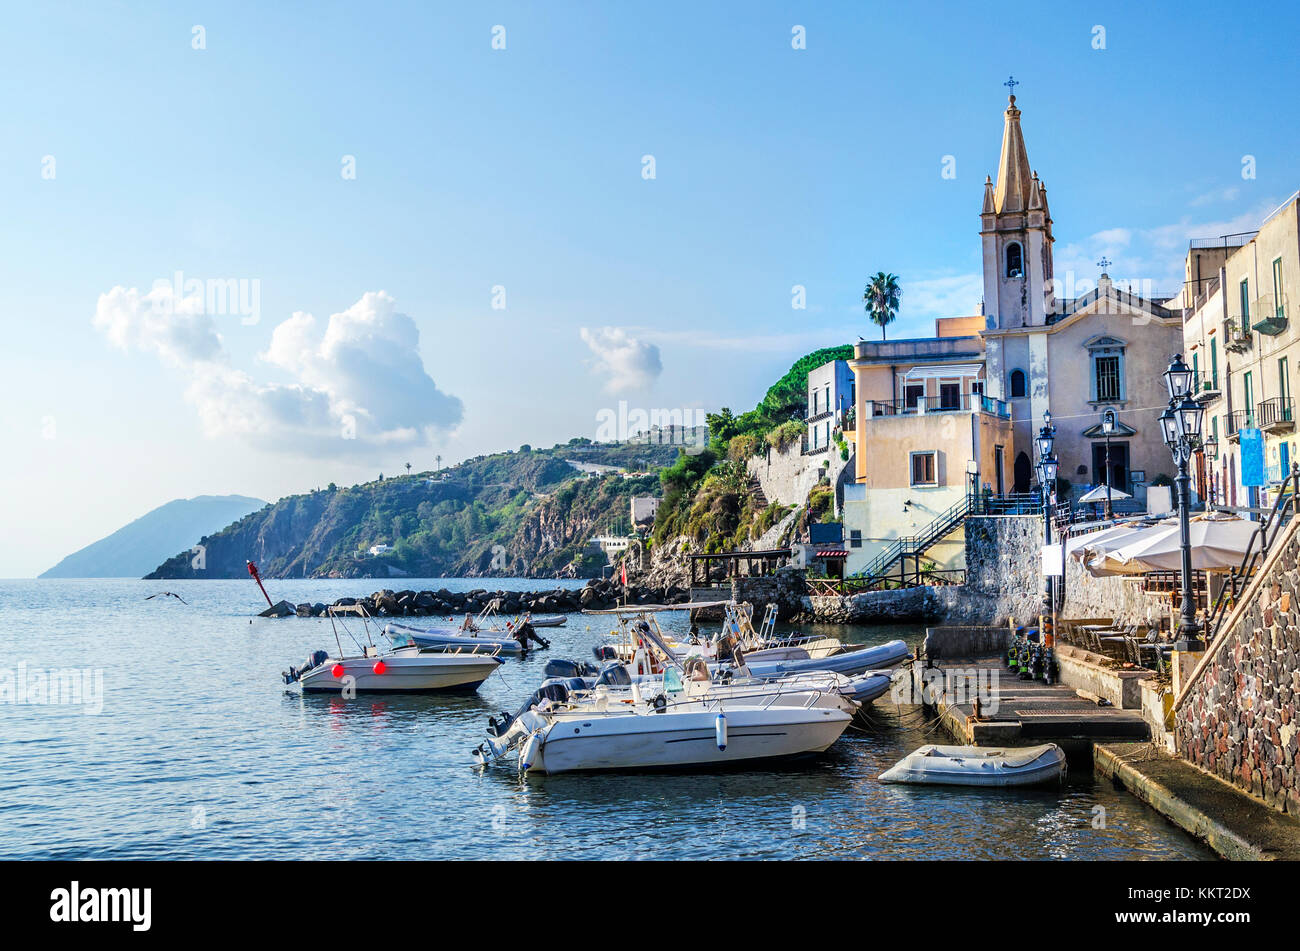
380 549
830 398
644 508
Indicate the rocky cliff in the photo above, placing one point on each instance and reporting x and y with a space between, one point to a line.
529 513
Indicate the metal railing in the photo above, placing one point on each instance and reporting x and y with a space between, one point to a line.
1238 420
923 405
1236 335
1206 386
1275 412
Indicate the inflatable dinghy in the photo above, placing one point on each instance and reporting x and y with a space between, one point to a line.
980 766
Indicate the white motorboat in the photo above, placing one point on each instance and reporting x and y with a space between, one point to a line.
437 638
557 736
403 668
980 766
678 685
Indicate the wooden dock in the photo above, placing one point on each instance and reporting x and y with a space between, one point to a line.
1019 712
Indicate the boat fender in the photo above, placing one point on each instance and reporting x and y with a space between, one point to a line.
720 730
380 667
528 755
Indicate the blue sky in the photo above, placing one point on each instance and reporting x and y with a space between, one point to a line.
522 168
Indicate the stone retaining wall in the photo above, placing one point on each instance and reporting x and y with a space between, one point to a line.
1237 717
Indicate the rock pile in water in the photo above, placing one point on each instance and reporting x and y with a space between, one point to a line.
597 594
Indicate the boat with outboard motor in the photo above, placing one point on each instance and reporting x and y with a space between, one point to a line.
556 733
401 668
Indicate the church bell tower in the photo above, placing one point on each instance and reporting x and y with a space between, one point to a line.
1016 232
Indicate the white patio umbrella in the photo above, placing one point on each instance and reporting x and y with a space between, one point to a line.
1092 496
1218 543
1106 539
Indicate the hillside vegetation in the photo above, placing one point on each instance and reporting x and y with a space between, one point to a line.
707 497
524 513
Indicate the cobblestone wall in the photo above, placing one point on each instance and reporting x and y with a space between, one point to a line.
785 589
1237 720
1003 569
787 476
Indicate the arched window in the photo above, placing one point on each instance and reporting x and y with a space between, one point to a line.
1015 260
1018 388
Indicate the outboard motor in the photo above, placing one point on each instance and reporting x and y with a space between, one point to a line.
605 652
568 668
555 690
614 675
314 660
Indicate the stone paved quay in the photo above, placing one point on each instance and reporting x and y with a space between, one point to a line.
1237 827
1027 712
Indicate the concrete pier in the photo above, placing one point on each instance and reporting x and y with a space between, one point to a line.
1017 712
1234 825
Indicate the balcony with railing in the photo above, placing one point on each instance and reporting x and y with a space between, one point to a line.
1238 420
1277 415
1237 337
1271 312
928 405
1205 388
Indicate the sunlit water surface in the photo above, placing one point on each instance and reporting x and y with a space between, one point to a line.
201 752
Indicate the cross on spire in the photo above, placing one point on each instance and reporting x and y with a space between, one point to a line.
1011 84
1105 262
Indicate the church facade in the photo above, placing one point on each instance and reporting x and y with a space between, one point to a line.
940 417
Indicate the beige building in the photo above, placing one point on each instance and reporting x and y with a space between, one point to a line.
926 433
1239 339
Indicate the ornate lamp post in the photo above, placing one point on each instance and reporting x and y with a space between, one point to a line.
1046 470
1108 429
1180 425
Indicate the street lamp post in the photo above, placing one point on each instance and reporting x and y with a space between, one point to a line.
1108 429
1046 470
1180 425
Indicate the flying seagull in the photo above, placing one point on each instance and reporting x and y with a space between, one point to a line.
167 594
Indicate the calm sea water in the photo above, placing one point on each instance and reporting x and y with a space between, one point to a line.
199 751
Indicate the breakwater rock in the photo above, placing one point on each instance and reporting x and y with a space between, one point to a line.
595 595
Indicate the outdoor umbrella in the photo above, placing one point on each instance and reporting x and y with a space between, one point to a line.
1218 543
1105 540
1098 494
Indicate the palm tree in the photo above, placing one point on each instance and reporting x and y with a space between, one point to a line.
880 299
408 468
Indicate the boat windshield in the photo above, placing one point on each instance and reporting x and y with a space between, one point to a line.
672 681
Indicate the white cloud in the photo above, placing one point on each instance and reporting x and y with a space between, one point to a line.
176 329
355 384
1152 255
629 362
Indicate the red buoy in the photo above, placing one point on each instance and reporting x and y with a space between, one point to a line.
379 667
337 671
